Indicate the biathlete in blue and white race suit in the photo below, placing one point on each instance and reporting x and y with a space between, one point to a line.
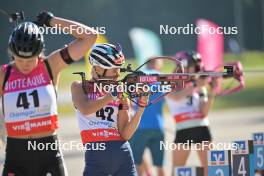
150 131
190 110
104 118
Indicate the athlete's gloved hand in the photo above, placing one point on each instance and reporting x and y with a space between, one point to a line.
143 101
213 83
43 18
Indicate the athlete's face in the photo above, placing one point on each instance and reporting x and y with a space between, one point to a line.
190 69
113 73
25 66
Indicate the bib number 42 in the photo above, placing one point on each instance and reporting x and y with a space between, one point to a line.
106 113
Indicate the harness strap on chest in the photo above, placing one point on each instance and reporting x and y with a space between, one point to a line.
7 74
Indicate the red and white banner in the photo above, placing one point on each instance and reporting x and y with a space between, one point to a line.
210 45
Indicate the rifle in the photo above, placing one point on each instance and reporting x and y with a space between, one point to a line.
176 80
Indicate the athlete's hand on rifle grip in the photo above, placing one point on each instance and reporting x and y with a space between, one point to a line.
142 100
213 83
124 104
43 18
124 101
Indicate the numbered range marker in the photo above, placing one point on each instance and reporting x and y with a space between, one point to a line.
243 159
219 162
189 171
258 141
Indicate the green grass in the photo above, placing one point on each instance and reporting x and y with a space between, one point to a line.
252 95
66 110
248 59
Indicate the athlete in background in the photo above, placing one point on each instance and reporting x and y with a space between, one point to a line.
150 131
190 110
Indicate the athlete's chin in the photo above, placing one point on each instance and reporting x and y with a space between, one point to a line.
25 71
115 79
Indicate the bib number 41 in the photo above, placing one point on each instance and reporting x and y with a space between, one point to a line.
22 99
